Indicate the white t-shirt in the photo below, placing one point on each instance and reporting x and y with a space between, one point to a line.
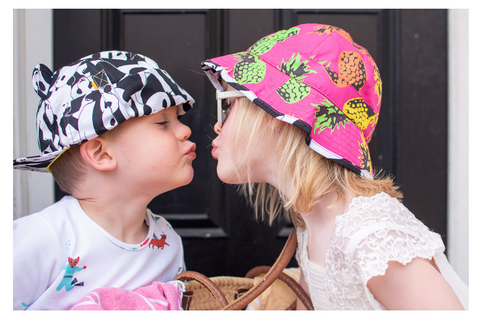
60 254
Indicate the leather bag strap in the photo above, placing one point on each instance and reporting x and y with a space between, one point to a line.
206 282
270 277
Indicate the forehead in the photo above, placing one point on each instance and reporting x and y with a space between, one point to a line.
169 111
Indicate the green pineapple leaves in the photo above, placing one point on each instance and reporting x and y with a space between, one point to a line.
264 45
328 116
295 67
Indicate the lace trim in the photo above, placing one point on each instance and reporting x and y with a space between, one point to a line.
302 256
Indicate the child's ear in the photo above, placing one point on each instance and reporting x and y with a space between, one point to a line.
97 155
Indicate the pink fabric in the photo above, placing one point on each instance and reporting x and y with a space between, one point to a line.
157 296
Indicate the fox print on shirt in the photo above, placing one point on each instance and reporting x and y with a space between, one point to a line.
68 281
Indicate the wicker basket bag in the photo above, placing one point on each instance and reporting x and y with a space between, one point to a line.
235 293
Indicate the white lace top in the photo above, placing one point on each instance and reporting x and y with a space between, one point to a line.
374 231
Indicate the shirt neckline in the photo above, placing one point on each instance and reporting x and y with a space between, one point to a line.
115 241
337 218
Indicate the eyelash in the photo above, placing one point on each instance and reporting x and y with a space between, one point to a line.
163 122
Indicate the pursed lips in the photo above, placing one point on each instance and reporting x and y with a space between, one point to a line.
191 151
214 148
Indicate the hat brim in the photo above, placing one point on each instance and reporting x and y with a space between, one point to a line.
39 163
343 143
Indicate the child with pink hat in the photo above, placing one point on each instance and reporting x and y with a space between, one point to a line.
359 247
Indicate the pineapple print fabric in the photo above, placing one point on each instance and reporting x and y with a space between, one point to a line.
315 77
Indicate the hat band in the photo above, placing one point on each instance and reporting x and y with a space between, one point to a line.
47 169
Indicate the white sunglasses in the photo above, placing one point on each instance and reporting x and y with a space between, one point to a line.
223 104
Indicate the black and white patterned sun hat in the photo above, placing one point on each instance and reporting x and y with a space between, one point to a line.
93 95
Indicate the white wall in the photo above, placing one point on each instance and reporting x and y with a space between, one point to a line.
32 44
33 41
458 129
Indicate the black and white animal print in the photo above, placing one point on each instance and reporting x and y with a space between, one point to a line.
93 95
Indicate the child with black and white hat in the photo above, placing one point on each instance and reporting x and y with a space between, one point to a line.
109 137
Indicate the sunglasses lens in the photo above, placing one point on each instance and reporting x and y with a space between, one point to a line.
225 109
225 104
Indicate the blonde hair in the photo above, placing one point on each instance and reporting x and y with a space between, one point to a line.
310 174
68 169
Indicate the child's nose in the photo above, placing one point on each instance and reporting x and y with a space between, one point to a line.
185 132
217 128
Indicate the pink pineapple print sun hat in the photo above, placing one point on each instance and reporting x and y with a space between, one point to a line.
315 77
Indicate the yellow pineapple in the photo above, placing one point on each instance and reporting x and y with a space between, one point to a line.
359 113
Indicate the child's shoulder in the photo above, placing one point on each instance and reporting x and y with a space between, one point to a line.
379 215
55 213
375 231
39 234
364 211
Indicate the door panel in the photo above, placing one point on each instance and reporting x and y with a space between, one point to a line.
423 115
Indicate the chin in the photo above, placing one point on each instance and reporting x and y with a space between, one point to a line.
229 177
185 179
189 179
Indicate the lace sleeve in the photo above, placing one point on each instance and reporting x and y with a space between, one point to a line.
373 232
373 252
